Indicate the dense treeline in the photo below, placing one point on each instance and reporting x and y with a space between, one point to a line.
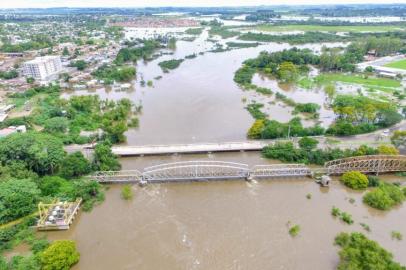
262 15
355 114
287 152
359 114
285 65
36 42
271 129
307 37
109 74
144 51
335 59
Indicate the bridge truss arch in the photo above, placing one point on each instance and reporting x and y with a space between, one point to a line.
280 170
367 164
196 171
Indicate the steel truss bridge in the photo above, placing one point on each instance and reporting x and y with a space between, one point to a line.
188 171
367 164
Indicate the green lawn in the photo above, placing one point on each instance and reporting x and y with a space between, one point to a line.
328 28
370 81
401 64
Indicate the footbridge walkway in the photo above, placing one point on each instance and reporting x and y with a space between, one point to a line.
188 171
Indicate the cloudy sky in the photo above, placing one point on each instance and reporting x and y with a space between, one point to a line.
154 3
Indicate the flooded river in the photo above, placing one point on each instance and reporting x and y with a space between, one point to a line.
224 225
199 101
216 225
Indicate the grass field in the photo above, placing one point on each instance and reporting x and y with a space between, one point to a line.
401 64
328 28
370 81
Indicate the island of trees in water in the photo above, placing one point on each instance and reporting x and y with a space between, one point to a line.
355 114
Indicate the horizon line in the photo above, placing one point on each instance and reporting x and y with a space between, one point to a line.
383 3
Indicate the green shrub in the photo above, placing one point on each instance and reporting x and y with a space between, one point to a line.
396 235
308 143
347 218
384 197
365 226
60 255
127 192
378 199
18 198
39 245
75 165
355 180
256 129
335 212
373 181
358 252
170 64
294 231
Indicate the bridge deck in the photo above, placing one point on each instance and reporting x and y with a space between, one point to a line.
189 148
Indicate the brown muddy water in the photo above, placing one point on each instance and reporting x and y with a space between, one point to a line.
224 225
216 225
199 101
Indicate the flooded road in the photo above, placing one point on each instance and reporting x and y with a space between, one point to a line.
224 225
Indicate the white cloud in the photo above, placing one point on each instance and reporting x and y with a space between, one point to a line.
154 3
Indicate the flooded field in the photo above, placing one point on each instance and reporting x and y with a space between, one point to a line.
199 101
224 225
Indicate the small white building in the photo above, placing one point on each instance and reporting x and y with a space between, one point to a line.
42 67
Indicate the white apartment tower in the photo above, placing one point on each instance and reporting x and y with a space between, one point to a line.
42 67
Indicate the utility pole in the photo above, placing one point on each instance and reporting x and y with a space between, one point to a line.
289 132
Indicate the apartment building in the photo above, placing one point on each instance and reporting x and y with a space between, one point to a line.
42 67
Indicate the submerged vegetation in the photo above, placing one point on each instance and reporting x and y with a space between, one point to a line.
358 252
385 196
170 64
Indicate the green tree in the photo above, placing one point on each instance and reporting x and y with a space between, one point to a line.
127 192
358 252
355 180
399 137
56 125
384 197
115 130
17 199
256 129
60 255
288 72
65 51
40 152
53 185
104 159
387 150
75 165
24 263
80 64
308 143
